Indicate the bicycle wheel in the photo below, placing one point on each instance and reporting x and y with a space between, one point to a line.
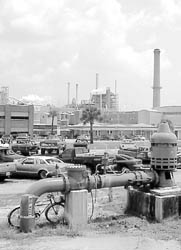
14 217
54 212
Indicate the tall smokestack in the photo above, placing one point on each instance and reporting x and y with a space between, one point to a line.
115 87
77 93
97 80
156 79
68 94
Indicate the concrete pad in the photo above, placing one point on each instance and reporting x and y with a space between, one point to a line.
153 206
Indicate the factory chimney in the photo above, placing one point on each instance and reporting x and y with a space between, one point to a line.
76 93
156 79
97 80
68 86
115 87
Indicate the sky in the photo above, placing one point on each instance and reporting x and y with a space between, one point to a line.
44 44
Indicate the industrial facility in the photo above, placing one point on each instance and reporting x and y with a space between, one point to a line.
114 123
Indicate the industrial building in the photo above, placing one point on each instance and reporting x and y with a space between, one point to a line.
15 119
18 117
104 99
143 122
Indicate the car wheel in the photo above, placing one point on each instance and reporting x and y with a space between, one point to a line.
42 151
2 178
43 174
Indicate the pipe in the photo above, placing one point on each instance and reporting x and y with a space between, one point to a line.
132 178
66 184
47 185
77 179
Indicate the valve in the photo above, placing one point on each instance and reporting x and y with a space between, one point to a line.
164 154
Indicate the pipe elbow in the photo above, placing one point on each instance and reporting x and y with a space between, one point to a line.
47 185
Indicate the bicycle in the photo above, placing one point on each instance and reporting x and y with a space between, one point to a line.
54 211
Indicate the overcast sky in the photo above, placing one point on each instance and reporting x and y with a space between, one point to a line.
46 43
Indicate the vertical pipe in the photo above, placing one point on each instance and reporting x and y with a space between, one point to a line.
156 79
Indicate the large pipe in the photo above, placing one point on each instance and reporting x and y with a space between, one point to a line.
46 186
91 182
77 180
156 79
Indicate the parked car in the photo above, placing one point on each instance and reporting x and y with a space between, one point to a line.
121 163
8 155
81 142
52 146
39 166
6 170
25 147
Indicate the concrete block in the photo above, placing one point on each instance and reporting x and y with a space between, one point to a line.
76 209
153 206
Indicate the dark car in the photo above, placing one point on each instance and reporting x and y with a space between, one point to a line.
121 163
25 147
81 143
52 146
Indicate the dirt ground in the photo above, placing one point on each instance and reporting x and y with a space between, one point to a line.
108 228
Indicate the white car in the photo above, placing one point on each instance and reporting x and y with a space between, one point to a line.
39 166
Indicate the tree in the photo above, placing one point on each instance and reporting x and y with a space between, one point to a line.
89 115
52 113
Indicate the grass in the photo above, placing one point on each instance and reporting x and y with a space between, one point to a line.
41 230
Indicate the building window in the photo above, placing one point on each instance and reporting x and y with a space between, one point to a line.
19 118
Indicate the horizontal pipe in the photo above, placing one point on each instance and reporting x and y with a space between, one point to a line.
46 186
65 184
118 180
92 182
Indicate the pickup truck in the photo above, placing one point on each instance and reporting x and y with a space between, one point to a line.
81 155
52 146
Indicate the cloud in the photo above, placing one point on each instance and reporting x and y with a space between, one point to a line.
37 100
45 44
171 9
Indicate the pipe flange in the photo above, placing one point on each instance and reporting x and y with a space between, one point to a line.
66 182
76 168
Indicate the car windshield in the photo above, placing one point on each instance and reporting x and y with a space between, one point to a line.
53 160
